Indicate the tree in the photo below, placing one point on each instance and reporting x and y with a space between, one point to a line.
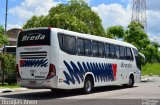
151 53
115 32
9 62
75 16
136 36
3 38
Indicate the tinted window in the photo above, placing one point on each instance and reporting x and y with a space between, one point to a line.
10 50
128 54
138 62
95 48
107 50
135 52
118 52
34 37
87 47
112 51
101 49
122 52
80 46
67 43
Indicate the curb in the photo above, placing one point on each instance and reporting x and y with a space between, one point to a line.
6 90
146 79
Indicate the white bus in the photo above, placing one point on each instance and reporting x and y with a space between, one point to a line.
54 58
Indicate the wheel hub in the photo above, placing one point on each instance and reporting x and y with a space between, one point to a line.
88 86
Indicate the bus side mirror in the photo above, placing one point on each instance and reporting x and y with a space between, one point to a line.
142 58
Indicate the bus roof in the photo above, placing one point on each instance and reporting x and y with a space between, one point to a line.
94 37
87 36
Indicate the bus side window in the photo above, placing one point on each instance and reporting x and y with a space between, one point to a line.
131 54
80 46
87 44
112 51
60 39
117 52
107 50
94 48
122 52
67 44
101 49
128 54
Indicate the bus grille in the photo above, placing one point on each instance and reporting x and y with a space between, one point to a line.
33 55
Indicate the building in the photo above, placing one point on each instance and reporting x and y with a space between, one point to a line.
12 36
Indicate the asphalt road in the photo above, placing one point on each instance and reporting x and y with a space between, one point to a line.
144 93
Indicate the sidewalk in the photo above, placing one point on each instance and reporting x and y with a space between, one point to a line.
148 78
145 78
5 90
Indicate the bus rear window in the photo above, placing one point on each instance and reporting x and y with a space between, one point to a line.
34 37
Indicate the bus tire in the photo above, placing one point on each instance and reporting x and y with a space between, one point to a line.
131 81
88 85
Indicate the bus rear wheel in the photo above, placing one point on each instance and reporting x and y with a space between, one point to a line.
88 85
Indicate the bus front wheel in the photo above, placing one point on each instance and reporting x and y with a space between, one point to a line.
130 83
88 85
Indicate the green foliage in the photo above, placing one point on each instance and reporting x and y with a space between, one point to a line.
3 38
151 53
8 62
115 32
151 69
78 16
136 36
75 16
9 86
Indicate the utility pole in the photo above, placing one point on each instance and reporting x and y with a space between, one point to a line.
5 33
6 17
139 12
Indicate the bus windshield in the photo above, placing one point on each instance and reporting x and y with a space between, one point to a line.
34 37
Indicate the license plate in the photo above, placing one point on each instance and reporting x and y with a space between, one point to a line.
32 82
32 71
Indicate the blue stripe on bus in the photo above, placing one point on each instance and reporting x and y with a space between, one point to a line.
34 63
102 72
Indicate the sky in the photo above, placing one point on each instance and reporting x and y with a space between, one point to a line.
112 12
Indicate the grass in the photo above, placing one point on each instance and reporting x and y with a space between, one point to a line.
9 86
151 69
